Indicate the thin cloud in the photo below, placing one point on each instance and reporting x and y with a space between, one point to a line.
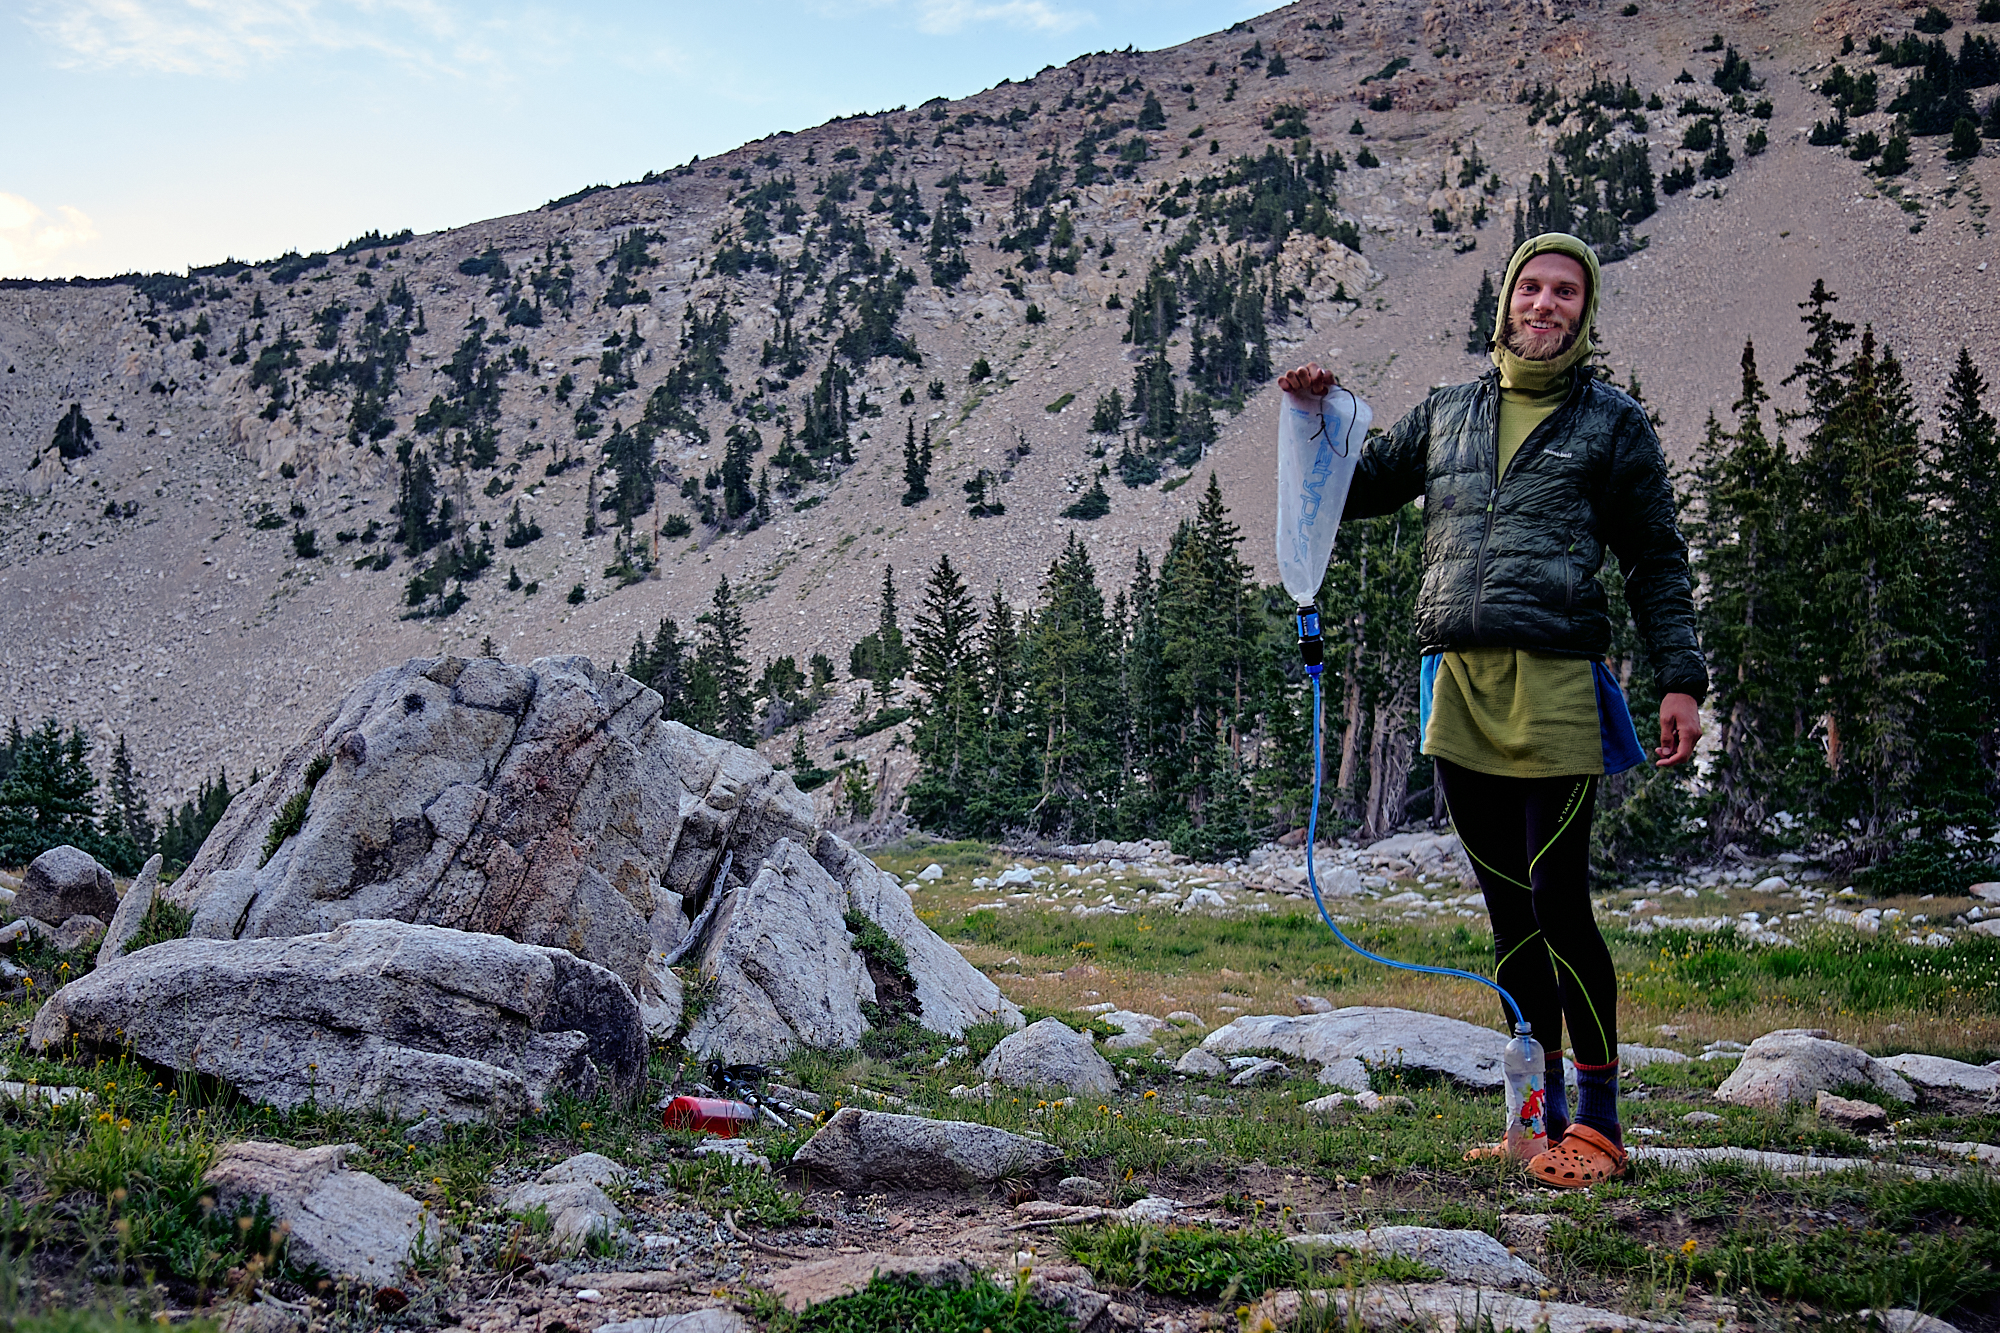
944 17
30 239
227 37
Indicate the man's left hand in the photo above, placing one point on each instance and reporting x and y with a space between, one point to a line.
1680 728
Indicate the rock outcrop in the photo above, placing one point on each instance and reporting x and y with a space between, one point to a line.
550 804
1795 1064
858 1147
1464 1052
66 882
373 1015
1050 1054
345 1223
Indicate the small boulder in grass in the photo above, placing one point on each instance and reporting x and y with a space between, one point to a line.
1850 1114
66 882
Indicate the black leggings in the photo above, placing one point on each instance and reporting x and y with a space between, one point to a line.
1529 840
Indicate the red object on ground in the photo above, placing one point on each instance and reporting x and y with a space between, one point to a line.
711 1115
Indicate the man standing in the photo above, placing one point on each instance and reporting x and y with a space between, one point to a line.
1529 474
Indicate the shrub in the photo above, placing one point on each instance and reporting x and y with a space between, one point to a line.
1933 21
980 370
305 542
577 595
1964 140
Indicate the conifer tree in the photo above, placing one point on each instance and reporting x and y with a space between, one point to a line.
916 468
1968 482
1072 699
945 665
1748 614
48 798
1485 311
727 670
126 816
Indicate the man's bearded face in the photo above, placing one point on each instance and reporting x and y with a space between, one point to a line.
1545 310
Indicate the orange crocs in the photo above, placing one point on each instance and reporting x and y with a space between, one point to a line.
1583 1158
1525 1151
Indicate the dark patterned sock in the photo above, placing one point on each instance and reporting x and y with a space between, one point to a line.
1597 1099
1555 1096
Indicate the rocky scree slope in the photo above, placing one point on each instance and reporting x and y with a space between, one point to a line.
762 308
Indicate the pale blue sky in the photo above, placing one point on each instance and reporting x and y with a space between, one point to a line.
154 134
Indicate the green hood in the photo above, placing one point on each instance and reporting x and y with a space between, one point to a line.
1534 375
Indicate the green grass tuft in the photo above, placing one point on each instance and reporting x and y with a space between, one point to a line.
889 1305
291 815
163 921
1196 1262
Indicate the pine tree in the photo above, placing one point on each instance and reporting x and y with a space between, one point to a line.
916 468
997 796
728 671
1072 698
126 817
1968 484
1485 311
1879 631
48 798
1744 535
945 665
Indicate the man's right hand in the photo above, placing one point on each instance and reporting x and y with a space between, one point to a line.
1308 381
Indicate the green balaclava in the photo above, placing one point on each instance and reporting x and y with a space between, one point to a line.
1541 376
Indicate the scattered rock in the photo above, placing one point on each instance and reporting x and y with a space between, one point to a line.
1792 1064
1466 1053
1446 1306
1184 1016
375 1015
21 928
1462 1256
572 1194
1783 1163
42 1093
1081 1190
346 1222
1633 1056
1136 1030
1770 884
1701 1118
734 1150
1906 1321
64 882
1203 900
931 872
1049 1054
77 933
973 1092
431 1129
1934 1071
824 1280
1363 1100
1990 926
1312 1004
131 913
263 1316
857 1147
1987 892
714 1319
550 804
1264 1071
1849 1114
1526 1229
1200 1064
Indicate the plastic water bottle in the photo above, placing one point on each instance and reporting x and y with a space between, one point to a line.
1319 442
1527 1105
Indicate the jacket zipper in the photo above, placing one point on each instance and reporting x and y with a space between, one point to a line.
1492 497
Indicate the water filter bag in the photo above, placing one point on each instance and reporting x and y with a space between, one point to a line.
1319 442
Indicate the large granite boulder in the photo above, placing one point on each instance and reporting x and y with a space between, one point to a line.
551 804
1050 1054
1795 1064
65 882
373 1015
1377 1037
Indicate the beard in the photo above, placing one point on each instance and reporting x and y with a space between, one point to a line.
1537 344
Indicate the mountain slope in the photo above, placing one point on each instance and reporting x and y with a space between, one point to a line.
152 587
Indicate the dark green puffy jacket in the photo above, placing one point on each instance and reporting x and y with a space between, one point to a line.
1515 565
